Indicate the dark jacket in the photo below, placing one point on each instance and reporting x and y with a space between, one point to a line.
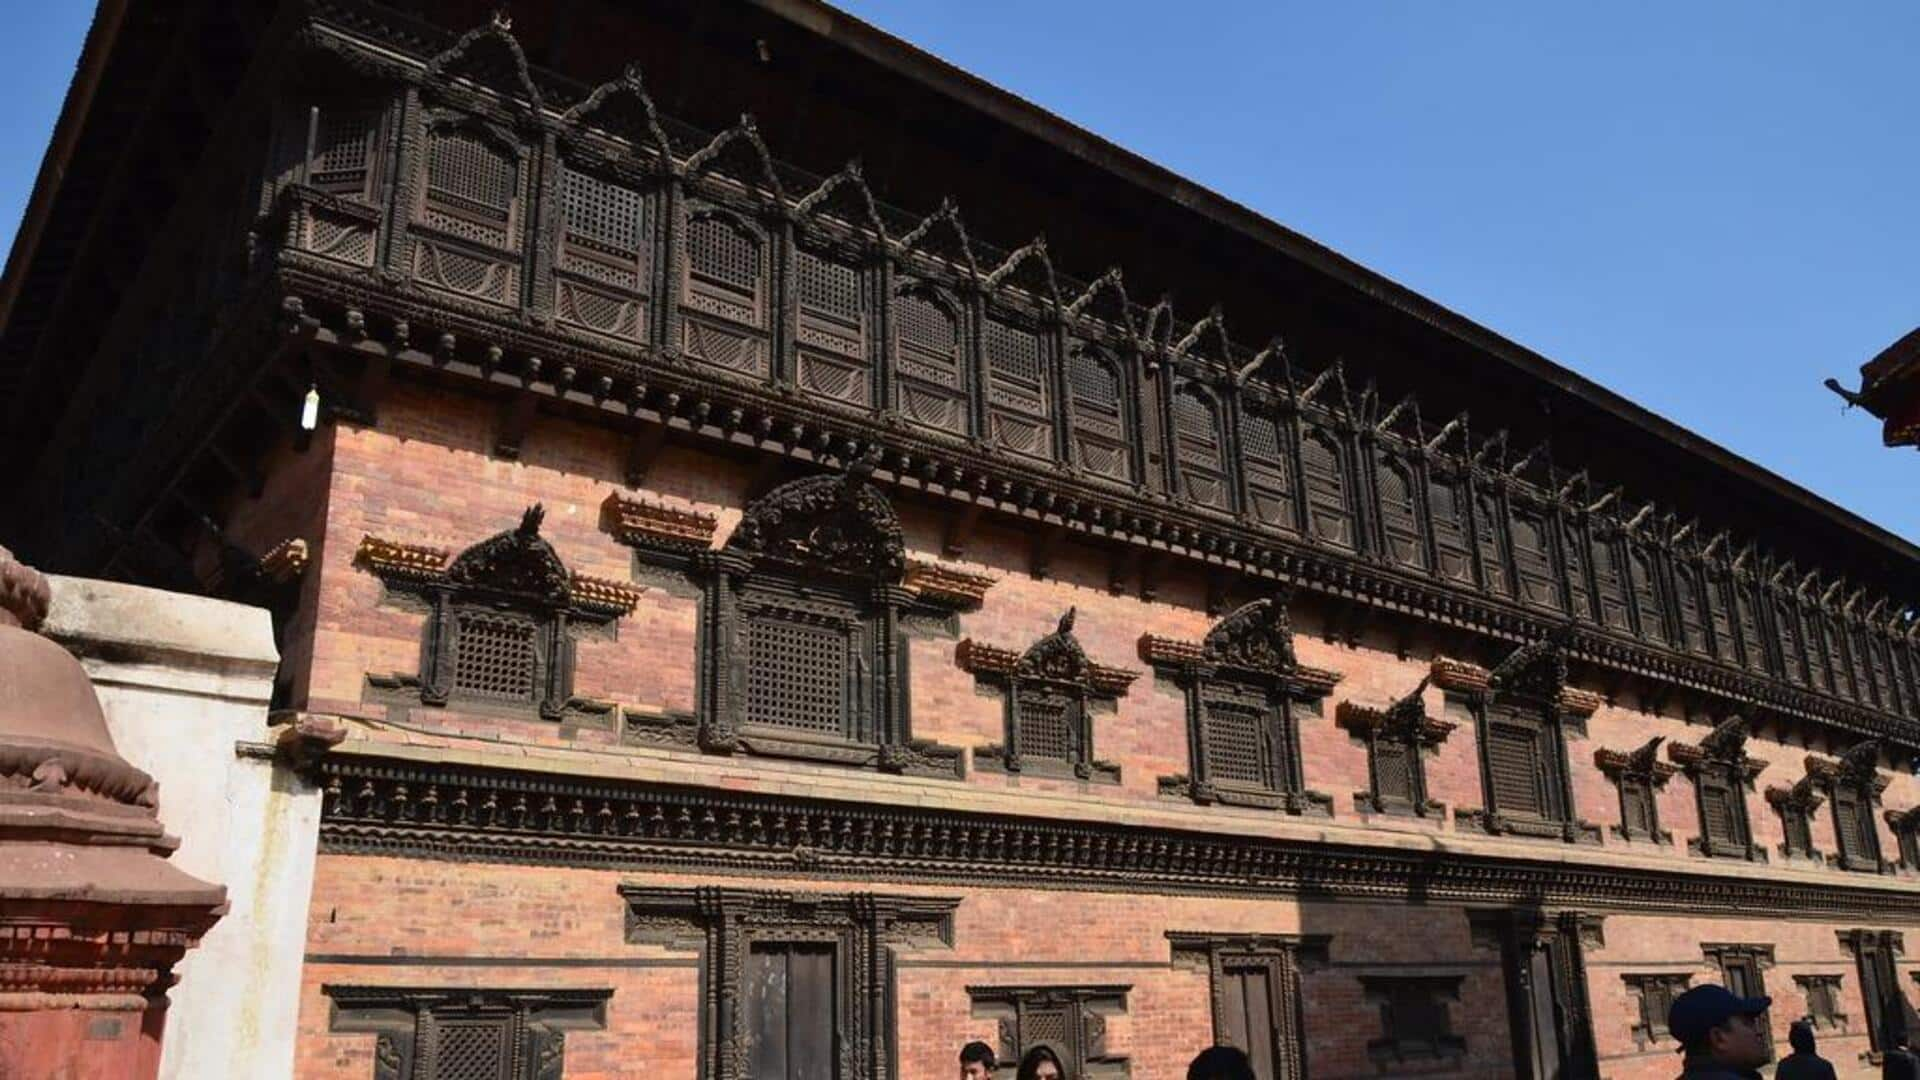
1804 1067
1707 1070
1900 1065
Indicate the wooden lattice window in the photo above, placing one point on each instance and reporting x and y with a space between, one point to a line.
797 986
1099 413
1048 690
1639 776
798 663
341 148
1573 553
1398 738
1690 602
1856 838
1446 510
1822 994
1069 1020
1399 513
1610 583
1653 996
926 331
1518 759
1245 693
1533 559
601 264
1796 806
496 656
832 328
1747 614
726 268
1198 449
449 1033
1489 527
1267 461
1521 715
1722 772
1019 418
1791 636
472 188
1649 596
1716 601
1906 834
1829 659
1323 466
1415 1021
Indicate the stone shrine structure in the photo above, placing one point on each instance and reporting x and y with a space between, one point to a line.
783 617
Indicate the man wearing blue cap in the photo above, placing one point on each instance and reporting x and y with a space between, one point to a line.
1720 1033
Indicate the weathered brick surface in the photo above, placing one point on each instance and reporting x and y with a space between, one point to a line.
425 475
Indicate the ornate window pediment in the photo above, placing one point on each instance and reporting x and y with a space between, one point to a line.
802 652
1048 690
796 984
1722 774
501 620
1245 693
1522 710
1852 786
1639 775
1398 738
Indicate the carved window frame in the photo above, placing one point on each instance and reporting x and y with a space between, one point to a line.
929 374
1797 806
408 1024
1055 674
1874 953
1202 459
513 576
1011 399
1282 957
594 269
1852 786
1638 777
1822 995
1653 995
1402 997
1906 833
1719 764
1754 961
819 553
1081 1011
1403 729
443 123
1527 690
1107 427
1271 476
835 352
1246 665
1403 526
723 924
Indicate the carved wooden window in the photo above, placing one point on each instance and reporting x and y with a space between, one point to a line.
1610 583
1653 996
1826 658
1198 446
449 1033
1856 837
1446 505
601 267
1048 691
1244 690
1069 1020
1255 989
1019 414
1323 466
1747 614
1649 596
726 268
338 148
789 1010
1573 551
501 620
1397 738
1796 806
932 389
1639 776
1533 559
1520 760
1399 513
1488 521
1717 601
1787 625
1875 953
1741 968
472 189
1268 463
1099 413
1415 1021
832 329
1868 673
802 652
1822 994
797 986
1522 710
1721 807
1722 771
1690 603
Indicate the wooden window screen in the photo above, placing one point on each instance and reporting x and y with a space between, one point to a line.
790 1006
1612 588
1797 829
1013 354
796 674
1247 1000
1822 993
1743 606
1487 516
1236 742
829 288
1414 1018
1654 996
930 337
1198 428
1393 767
1688 602
1047 727
720 253
1095 383
1572 554
468 175
1516 767
1099 416
1260 435
1534 560
1717 818
1793 659
1636 808
1322 467
1879 981
1017 394
472 1049
603 213
343 149
1854 829
1648 594
1399 515
495 657
1268 465
1449 531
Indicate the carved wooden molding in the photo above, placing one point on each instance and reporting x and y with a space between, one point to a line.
1071 1019
1397 737
724 924
643 523
285 561
946 585
1046 691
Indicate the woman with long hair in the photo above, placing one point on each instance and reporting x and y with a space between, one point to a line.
1041 1063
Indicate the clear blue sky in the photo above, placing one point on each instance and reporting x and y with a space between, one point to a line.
1707 207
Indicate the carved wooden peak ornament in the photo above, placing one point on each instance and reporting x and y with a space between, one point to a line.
1725 745
1056 657
837 524
518 565
1406 718
1643 763
1254 640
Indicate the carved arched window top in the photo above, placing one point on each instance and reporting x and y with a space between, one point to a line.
488 58
1095 376
837 524
1256 638
738 158
619 114
518 563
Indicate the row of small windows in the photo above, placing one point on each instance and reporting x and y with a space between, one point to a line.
1314 481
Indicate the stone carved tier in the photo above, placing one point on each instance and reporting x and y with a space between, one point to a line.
93 917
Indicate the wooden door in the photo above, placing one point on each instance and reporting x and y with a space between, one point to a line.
789 1009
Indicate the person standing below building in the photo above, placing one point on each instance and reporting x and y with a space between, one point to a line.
1041 1063
1721 1034
976 1061
1897 1032
1221 1063
1803 1063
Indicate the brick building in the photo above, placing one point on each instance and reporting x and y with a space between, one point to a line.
789 623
